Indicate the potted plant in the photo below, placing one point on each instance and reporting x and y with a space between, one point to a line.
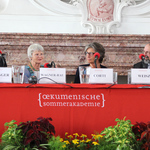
121 136
27 135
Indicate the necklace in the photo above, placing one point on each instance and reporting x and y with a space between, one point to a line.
33 67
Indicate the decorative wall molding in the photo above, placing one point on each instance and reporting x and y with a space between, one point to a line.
141 10
105 25
56 7
99 26
56 16
3 5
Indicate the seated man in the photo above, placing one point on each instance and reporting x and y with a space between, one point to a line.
2 60
144 63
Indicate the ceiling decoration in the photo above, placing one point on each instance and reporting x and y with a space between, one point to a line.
56 7
101 16
98 16
3 5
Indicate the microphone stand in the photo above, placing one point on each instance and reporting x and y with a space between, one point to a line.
95 63
53 64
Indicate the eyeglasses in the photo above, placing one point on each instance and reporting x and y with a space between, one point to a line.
147 52
90 53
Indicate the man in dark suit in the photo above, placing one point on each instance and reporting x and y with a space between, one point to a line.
144 63
2 60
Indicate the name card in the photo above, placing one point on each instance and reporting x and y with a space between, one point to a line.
140 76
102 76
52 75
5 75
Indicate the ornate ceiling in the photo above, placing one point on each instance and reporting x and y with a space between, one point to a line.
71 1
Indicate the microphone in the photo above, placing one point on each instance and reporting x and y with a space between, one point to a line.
144 61
47 65
142 56
97 56
32 79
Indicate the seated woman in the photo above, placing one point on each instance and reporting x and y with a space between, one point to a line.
90 50
36 55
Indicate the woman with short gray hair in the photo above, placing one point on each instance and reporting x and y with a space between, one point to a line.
32 48
89 51
35 54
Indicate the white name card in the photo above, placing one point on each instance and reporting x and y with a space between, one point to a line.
102 76
52 75
140 76
5 75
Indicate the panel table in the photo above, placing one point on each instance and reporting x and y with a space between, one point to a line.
74 108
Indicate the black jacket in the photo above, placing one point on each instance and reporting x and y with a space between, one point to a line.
2 61
140 65
77 78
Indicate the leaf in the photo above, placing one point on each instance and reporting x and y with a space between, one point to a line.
28 140
117 119
143 135
10 147
118 147
148 136
29 133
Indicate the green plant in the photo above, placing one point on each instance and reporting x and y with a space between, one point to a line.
27 135
121 136
12 137
118 137
37 132
55 143
38 135
74 142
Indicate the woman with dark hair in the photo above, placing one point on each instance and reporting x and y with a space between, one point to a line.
89 51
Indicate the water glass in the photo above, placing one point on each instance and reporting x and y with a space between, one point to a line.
129 77
84 73
115 77
37 74
16 73
22 68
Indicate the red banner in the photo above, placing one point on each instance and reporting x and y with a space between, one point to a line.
74 108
